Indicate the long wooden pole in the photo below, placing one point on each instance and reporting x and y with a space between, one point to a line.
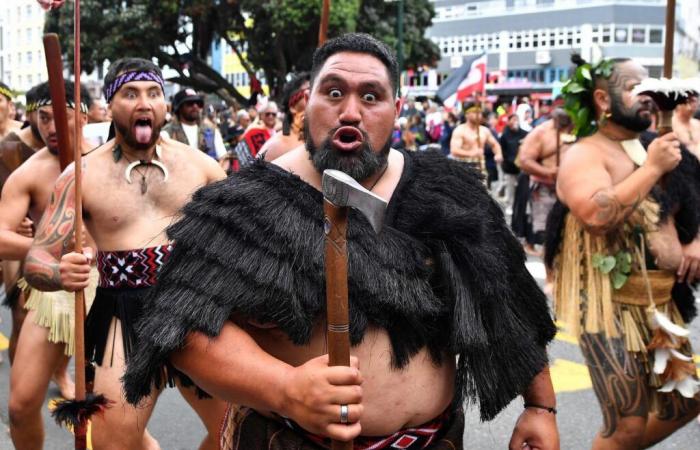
57 89
80 391
670 33
336 263
323 28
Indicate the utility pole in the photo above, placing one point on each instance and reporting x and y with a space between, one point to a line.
399 35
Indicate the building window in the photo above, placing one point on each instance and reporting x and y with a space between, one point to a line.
606 34
29 57
639 35
30 79
621 35
19 58
29 11
656 36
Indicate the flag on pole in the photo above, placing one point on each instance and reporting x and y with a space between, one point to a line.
464 82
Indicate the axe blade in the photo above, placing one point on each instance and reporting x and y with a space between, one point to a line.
344 191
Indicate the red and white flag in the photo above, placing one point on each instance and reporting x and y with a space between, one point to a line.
464 82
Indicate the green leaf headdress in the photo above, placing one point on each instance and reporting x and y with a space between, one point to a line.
578 94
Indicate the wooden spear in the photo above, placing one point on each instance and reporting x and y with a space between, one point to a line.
323 28
80 388
670 32
57 89
76 412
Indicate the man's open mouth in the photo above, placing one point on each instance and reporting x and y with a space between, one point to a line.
143 130
347 139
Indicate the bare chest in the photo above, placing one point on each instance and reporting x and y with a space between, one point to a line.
41 190
618 164
143 200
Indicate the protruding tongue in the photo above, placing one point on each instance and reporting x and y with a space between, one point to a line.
347 139
143 133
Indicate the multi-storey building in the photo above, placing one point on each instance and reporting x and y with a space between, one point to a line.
22 61
529 42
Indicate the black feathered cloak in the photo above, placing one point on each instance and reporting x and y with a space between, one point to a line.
445 273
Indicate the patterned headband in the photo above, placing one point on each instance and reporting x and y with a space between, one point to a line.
296 98
47 102
6 92
128 77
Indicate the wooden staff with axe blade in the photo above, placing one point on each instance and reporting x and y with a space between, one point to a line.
340 192
76 412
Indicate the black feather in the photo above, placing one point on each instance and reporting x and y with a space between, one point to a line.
73 412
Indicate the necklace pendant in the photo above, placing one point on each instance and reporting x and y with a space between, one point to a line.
117 153
144 186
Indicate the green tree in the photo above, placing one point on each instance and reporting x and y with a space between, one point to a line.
274 36
379 18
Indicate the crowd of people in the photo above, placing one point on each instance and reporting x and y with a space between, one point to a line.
203 264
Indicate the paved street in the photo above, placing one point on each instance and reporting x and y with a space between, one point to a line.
176 427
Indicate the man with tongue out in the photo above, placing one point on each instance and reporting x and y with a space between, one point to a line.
45 342
240 305
133 186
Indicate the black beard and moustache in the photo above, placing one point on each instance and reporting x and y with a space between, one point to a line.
360 164
130 140
628 118
35 131
190 117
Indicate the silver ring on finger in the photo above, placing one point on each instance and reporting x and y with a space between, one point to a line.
344 412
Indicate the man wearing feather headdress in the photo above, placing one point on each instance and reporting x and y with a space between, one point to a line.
245 299
619 230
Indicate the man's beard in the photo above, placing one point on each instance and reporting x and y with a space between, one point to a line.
35 131
629 118
189 117
130 140
359 164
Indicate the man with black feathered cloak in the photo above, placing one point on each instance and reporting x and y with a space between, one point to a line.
442 308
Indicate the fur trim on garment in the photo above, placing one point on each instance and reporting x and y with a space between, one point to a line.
445 273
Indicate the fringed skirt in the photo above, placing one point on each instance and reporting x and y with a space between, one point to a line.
56 310
243 429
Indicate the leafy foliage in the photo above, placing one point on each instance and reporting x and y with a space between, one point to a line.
618 266
578 95
274 36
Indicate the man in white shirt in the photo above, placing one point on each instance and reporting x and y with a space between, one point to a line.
187 125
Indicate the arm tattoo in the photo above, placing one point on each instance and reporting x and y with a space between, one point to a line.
610 212
53 237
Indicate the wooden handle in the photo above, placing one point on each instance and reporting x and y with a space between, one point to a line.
670 31
80 368
336 265
665 123
54 66
323 28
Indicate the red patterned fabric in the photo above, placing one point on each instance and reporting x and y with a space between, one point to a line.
131 268
417 438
